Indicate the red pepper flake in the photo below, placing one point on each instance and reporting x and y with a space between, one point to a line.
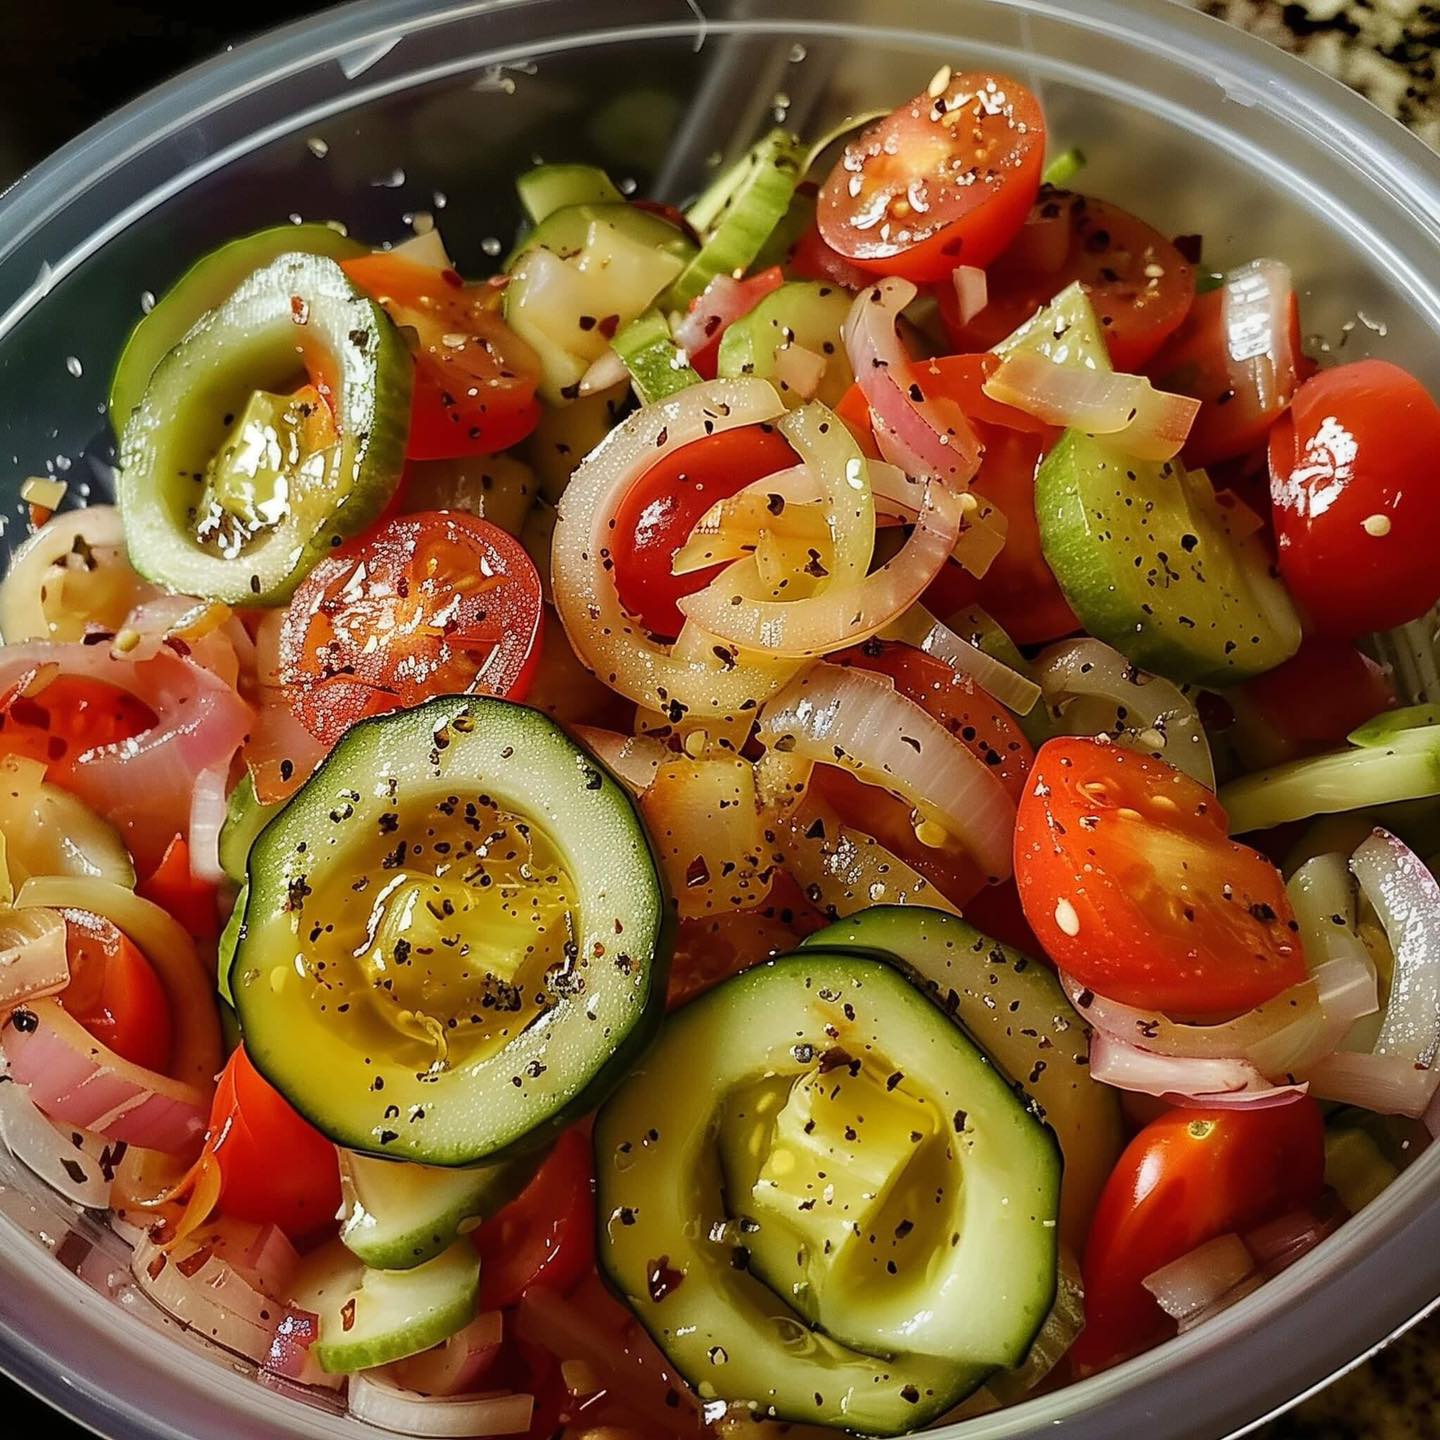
154 1268
194 1263
661 1278
347 1314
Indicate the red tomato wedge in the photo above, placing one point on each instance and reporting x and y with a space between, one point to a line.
435 603
984 727
656 517
1131 883
70 716
474 377
1139 283
114 991
275 1167
1354 519
546 1235
1238 402
173 887
716 308
1186 1178
945 180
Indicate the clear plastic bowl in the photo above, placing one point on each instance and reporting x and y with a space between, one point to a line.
430 106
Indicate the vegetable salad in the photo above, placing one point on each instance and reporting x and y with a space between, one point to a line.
816 812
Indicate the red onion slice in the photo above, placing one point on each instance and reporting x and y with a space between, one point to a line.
289 1354
1139 420
1202 1084
925 436
75 1079
836 715
208 808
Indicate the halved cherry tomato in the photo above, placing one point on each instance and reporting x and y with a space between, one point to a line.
996 911
656 517
942 181
743 297
1018 589
984 727
435 603
275 1167
1139 283
114 991
173 887
1354 517
1238 401
1186 1178
474 377
1133 886
70 716
546 1235
1316 698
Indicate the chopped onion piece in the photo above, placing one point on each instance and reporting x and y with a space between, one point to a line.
289 1355
604 373
972 292
1204 1084
633 758
208 808
927 437
1092 689
1198 1279
799 371
706 685
836 715
32 955
378 1402
919 628
77 1163
1139 420
1387 1084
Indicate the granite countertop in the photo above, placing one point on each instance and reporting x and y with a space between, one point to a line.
1388 50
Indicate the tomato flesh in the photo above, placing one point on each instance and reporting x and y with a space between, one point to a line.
114 992
1187 1177
545 1236
1319 695
1131 883
173 887
275 1167
1354 523
69 717
656 517
745 296
475 378
944 180
1140 285
433 603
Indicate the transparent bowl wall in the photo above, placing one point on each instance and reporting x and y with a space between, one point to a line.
1191 123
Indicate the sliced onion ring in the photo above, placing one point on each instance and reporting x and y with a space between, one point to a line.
837 715
76 1163
918 627
1139 420
972 292
23 613
1386 1084
926 437
32 955
378 1402
1203 1084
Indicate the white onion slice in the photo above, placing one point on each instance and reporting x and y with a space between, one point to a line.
1139 420
1256 324
32 955
1322 893
1206 1084
919 628
837 715
34 570
1387 1084
188 983
799 371
841 614
692 676
378 1402
76 1163
972 291
1198 1279
208 806
76 1080
605 373
927 437
1091 688
634 758
1406 898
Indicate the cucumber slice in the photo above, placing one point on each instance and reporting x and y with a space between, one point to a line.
945 1258
1391 724
1013 1008
656 365
579 277
1355 1169
1407 768
739 212
456 935
396 1216
548 188
1064 167
205 286
371 1317
225 947
1145 557
800 313
245 818
266 517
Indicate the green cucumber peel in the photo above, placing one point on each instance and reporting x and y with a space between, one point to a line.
657 365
